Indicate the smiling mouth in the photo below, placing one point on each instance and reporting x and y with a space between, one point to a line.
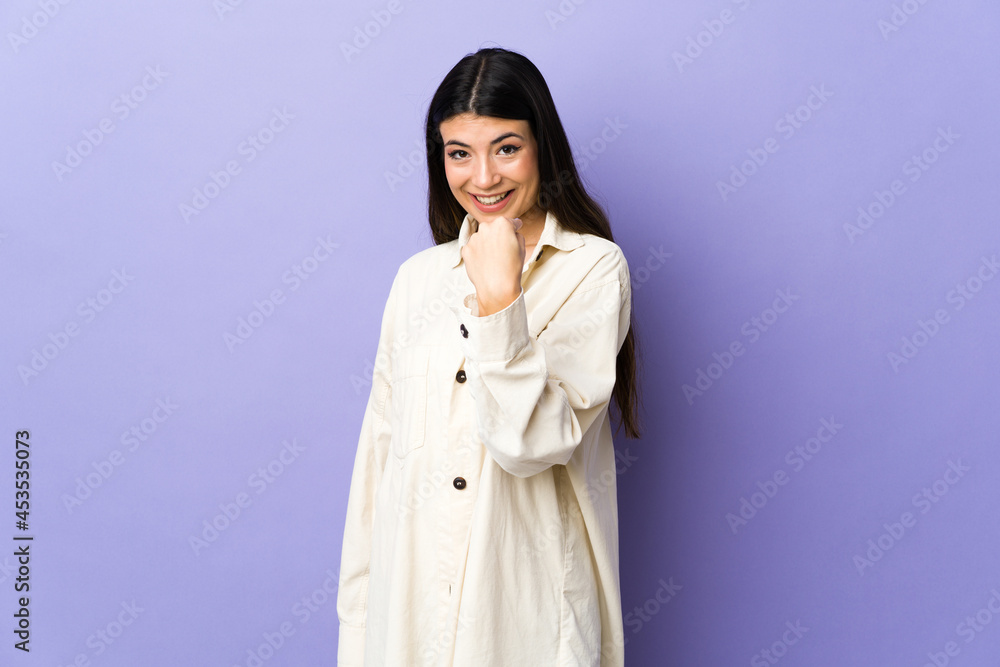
494 199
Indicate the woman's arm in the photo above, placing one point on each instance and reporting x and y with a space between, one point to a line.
369 461
535 398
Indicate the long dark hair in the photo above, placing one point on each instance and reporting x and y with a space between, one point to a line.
500 83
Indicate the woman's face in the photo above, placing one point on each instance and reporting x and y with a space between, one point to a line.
489 156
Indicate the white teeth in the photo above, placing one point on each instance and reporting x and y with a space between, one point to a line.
491 200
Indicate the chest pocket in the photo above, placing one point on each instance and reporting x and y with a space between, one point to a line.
408 379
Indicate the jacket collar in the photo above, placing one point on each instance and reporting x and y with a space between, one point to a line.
553 234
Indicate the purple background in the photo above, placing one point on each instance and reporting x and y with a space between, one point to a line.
338 170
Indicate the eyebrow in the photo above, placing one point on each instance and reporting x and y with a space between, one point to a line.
495 141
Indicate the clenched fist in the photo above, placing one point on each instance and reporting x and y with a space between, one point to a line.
494 258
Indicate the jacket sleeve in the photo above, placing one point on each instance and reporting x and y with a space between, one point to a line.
535 398
369 461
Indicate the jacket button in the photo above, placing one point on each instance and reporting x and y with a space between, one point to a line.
459 483
465 332
460 376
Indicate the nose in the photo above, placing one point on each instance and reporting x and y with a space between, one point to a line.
485 174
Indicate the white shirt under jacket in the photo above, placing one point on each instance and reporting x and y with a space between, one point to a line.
518 565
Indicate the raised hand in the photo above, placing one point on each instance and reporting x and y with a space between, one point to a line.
494 258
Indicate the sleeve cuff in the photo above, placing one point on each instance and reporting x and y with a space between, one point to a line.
351 646
496 337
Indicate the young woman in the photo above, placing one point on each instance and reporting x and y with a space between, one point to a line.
482 521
